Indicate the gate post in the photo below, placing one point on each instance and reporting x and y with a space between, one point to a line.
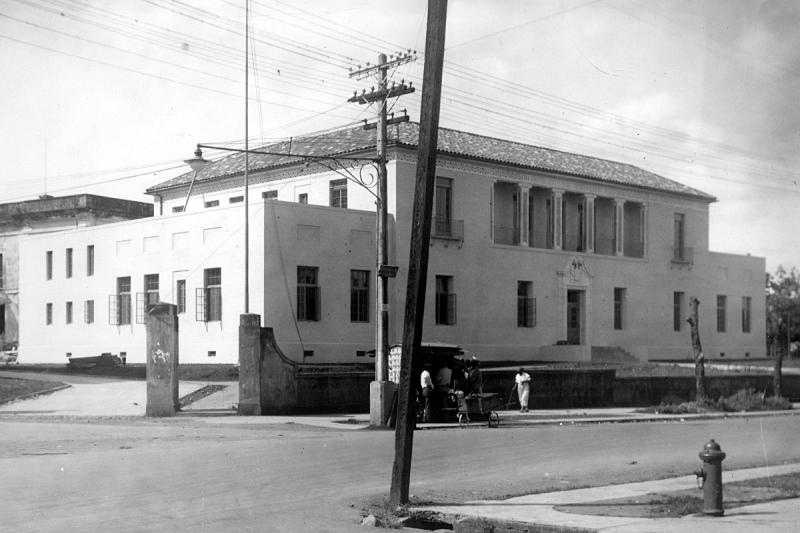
161 323
249 365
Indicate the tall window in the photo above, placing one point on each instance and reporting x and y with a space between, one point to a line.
119 304
338 193
443 208
445 301
678 300
180 295
209 298
49 264
619 307
68 313
302 198
722 302
151 289
2 318
746 303
68 262
90 260
48 313
526 305
679 243
269 195
2 280
359 295
88 311
308 293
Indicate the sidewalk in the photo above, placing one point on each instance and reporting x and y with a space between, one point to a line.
538 512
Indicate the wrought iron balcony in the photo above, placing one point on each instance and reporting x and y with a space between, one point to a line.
447 228
682 255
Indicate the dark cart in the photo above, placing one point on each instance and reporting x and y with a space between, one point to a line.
481 407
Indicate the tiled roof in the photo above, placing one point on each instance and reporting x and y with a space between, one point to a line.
452 142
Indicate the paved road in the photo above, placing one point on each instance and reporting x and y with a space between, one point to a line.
214 474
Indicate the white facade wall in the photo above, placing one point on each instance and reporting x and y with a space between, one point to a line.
485 276
285 235
181 247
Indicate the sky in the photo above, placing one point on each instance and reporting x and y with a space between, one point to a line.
110 97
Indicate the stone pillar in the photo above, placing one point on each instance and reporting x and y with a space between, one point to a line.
249 365
523 220
380 402
589 214
161 323
558 229
619 233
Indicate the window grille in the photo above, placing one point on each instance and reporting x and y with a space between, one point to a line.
308 293
180 290
746 304
141 299
90 260
68 262
88 311
359 295
338 193
722 301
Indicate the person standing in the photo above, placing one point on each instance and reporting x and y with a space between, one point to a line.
427 391
523 386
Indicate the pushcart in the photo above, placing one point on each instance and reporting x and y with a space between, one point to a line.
480 407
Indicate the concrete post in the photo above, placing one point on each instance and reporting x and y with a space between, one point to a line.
380 402
249 365
161 323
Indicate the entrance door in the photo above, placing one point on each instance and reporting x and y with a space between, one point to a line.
574 317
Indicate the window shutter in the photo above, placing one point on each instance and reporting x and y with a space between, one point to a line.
113 310
200 305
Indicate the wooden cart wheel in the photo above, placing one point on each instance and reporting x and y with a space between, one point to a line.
494 419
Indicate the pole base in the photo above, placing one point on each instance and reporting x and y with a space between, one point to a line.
380 402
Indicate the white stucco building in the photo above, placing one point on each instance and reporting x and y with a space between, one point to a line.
536 255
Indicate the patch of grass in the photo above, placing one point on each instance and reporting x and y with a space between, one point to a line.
743 400
12 388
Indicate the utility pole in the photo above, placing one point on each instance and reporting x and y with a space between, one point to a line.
420 243
381 390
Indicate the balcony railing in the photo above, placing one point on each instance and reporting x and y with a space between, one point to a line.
447 228
683 255
505 235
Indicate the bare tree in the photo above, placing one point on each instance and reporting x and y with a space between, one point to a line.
697 348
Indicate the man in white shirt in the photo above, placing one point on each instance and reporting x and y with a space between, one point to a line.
427 391
523 386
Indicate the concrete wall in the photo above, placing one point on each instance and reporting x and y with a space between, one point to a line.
485 276
178 247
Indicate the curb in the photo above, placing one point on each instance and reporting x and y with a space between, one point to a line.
488 525
39 393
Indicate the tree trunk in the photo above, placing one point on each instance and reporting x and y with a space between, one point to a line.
777 378
697 348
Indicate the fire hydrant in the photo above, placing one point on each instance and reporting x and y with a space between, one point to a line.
711 476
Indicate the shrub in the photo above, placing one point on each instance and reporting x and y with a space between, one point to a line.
750 400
